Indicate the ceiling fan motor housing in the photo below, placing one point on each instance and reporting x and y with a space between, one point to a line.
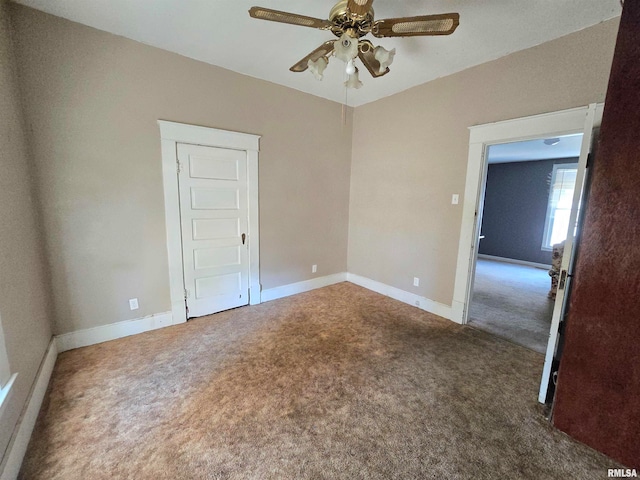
345 21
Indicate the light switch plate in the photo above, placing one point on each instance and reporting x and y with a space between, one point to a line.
455 199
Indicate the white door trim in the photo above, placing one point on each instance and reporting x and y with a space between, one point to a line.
172 133
564 122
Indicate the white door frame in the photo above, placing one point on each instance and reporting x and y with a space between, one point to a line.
565 122
171 134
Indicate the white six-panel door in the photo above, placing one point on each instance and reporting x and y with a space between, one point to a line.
214 223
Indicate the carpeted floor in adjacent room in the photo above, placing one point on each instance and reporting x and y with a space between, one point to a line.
335 383
511 301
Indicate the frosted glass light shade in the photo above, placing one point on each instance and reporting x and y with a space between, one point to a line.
317 67
385 57
345 48
353 81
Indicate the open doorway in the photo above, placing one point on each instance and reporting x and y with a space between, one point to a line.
481 138
528 193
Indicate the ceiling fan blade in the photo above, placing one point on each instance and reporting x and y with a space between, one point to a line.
290 18
323 50
368 58
443 24
359 8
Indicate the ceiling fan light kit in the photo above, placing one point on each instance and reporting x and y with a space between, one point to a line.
350 20
384 58
317 66
345 48
353 81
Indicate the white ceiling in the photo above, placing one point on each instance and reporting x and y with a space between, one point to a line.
220 32
567 147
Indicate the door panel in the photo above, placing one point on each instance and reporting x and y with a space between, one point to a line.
216 257
213 228
223 169
207 287
214 198
214 217
560 306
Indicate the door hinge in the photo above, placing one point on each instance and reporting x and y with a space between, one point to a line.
178 167
186 293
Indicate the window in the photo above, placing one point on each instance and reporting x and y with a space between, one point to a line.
556 225
5 372
6 380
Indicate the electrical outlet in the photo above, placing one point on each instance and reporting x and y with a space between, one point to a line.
314 268
133 304
416 282
455 199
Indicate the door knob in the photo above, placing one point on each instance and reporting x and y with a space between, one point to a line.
243 238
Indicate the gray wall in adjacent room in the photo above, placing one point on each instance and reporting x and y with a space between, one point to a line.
515 207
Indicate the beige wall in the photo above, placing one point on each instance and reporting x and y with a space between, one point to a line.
410 153
92 100
24 300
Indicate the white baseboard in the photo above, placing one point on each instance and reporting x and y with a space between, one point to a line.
514 260
104 333
457 312
300 287
422 303
18 445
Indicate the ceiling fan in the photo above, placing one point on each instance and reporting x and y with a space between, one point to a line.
350 20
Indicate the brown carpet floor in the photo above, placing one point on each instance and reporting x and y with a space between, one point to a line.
339 382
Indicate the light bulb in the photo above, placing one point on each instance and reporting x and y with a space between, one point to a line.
351 68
